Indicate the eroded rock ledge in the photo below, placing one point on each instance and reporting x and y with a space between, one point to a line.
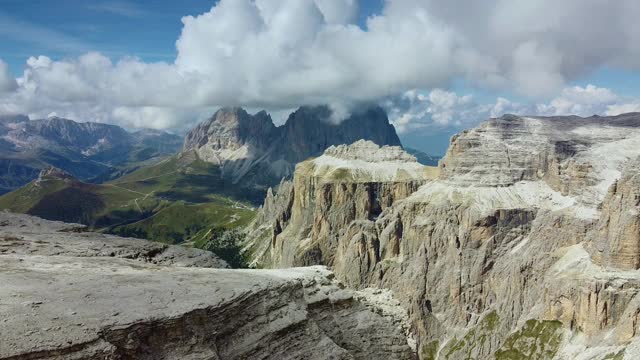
70 295
29 235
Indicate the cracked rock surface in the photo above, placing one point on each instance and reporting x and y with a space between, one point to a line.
74 295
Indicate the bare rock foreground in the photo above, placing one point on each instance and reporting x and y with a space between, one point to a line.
66 294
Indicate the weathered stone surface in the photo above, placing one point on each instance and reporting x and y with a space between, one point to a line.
575 156
491 256
69 295
347 184
28 235
616 240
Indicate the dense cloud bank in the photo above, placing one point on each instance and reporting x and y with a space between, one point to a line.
278 54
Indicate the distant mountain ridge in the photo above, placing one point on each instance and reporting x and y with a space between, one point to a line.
226 164
175 200
86 150
251 149
422 157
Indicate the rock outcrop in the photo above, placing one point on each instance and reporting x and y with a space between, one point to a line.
490 253
347 184
575 156
251 149
73 295
26 235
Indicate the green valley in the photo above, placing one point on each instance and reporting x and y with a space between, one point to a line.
178 200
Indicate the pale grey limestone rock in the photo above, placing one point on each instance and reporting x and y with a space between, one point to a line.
492 248
75 295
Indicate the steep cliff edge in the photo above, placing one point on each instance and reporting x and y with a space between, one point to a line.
347 184
615 242
489 253
68 294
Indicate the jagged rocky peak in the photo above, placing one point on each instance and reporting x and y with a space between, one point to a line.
87 150
251 148
231 128
78 134
310 130
235 140
88 137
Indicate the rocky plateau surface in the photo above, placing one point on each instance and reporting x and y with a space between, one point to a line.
70 294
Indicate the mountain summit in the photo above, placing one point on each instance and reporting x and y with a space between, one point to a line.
251 147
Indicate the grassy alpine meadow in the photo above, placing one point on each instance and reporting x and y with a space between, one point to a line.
177 200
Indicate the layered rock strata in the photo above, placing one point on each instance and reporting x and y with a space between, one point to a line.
69 295
348 184
523 244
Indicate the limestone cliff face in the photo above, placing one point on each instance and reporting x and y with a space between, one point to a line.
490 253
616 240
574 156
347 184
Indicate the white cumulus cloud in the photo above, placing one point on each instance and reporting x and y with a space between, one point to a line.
439 109
278 54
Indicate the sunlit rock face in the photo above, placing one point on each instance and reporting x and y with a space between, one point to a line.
347 184
575 156
522 244
615 242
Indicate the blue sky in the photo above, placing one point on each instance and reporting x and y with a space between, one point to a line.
116 28
437 66
147 29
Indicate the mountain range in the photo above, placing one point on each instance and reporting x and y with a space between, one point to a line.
251 150
148 184
89 151
522 243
